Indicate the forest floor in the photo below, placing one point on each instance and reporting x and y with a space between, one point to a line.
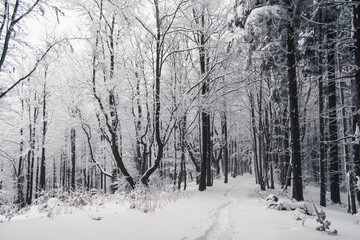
236 210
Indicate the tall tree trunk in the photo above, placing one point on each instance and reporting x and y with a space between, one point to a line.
182 174
54 186
139 161
322 159
62 170
356 20
31 156
174 105
44 128
20 173
333 136
255 148
286 178
192 156
157 102
261 141
235 159
224 132
112 122
116 138
205 149
28 172
175 158
269 147
137 121
348 170
73 158
146 153
209 175
205 116
37 189
297 192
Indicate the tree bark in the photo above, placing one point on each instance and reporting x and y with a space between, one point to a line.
260 137
20 173
205 116
31 155
286 168
73 158
261 154
44 129
356 20
350 175
224 132
322 160
182 174
333 136
255 148
158 69
297 192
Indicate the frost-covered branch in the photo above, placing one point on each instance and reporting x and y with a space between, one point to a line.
87 130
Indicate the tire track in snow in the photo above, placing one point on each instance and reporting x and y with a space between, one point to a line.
221 226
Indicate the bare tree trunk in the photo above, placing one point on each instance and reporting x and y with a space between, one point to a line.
333 136
224 132
112 122
37 190
350 175
205 116
73 158
175 157
192 156
286 168
158 68
260 137
356 20
31 157
182 174
20 173
271 148
322 160
139 162
297 192
54 186
63 170
174 105
44 129
235 159
145 143
255 148
261 154
209 175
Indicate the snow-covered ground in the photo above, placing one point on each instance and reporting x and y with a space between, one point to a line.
226 211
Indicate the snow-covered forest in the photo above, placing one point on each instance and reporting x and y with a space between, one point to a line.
157 108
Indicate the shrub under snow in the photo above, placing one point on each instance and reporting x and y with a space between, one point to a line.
304 208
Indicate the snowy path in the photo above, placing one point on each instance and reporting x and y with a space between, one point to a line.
222 225
245 217
225 211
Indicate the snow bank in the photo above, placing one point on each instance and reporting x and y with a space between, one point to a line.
224 211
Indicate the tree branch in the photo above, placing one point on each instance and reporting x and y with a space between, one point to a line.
88 136
32 71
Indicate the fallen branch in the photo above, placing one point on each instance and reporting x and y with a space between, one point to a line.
321 218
